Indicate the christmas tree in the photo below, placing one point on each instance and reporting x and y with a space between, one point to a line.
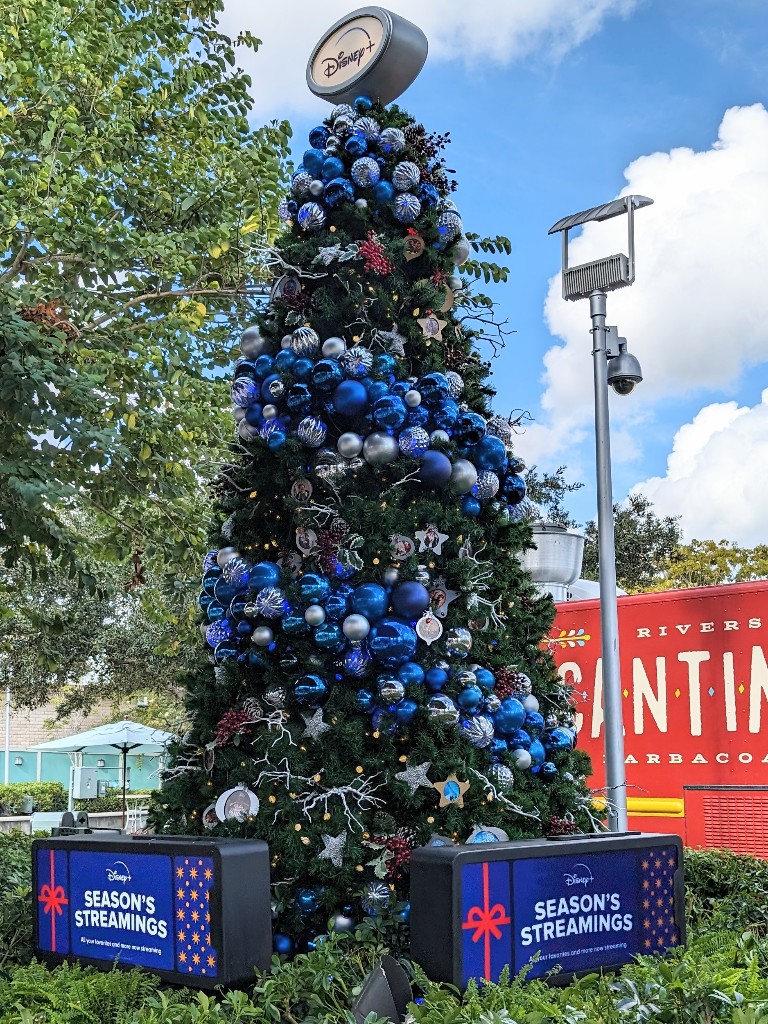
379 680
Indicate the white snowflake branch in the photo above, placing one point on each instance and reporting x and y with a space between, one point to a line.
359 794
489 787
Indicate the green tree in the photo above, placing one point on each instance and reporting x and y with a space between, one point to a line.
129 638
135 204
644 542
547 493
705 563
372 493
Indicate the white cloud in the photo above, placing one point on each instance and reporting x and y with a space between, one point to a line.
696 316
495 32
716 474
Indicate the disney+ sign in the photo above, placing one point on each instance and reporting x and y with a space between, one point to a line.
574 906
191 910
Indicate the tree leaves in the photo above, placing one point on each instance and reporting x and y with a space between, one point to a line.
135 201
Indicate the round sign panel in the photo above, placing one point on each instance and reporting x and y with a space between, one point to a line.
370 52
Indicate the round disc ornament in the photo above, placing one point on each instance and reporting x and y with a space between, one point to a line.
237 804
370 51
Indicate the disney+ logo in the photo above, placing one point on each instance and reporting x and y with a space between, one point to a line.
581 875
119 872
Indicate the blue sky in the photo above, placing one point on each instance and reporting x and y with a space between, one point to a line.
559 106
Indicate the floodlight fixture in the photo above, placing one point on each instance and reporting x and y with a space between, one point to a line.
611 272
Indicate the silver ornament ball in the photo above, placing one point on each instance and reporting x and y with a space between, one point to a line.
316 187
391 576
521 758
253 343
333 348
226 555
380 449
412 399
463 477
356 627
315 615
349 445
439 437
262 636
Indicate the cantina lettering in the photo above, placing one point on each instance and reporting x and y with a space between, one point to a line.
343 60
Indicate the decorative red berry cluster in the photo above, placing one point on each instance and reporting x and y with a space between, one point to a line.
560 827
234 722
375 260
505 680
399 851
328 541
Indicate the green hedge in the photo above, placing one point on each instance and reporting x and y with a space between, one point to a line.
48 796
112 802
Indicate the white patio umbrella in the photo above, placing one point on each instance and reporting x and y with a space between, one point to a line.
125 736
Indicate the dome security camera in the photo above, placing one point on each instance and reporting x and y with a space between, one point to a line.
624 370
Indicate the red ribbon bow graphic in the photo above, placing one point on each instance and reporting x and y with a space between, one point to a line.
53 899
486 922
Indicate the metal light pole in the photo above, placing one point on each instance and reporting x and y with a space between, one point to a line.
612 365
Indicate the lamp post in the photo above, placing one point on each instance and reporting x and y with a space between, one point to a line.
613 365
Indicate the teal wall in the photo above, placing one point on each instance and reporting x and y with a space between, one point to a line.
55 768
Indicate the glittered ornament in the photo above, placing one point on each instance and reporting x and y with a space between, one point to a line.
311 216
486 486
415 776
405 176
455 383
356 361
305 341
477 730
311 431
300 184
413 441
406 208
244 392
368 127
286 210
392 140
449 226
365 172
270 602
502 776
376 898
236 572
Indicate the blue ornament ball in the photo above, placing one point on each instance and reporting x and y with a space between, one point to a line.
470 428
486 486
299 397
337 607
410 599
332 168
392 642
548 770
449 226
411 674
365 700
490 453
276 440
413 442
314 159
470 506
485 678
470 699
405 711
302 368
338 191
218 631
513 489
225 650
434 389
435 469
446 414
329 636
363 104
389 411
310 691
215 612
537 752
307 900
318 137
370 600
294 624
356 361
357 662
384 192
350 398
559 739
314 588
509 717
428 195
311 216
520 739
283 944
436 679
406 207
534 722
326 375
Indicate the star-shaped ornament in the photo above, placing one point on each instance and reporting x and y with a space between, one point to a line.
333 849
440 596
432 326
431 539
315 726
415 775
391 341
451 791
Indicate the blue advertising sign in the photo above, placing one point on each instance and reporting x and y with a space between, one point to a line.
581 911
586 903
191 909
